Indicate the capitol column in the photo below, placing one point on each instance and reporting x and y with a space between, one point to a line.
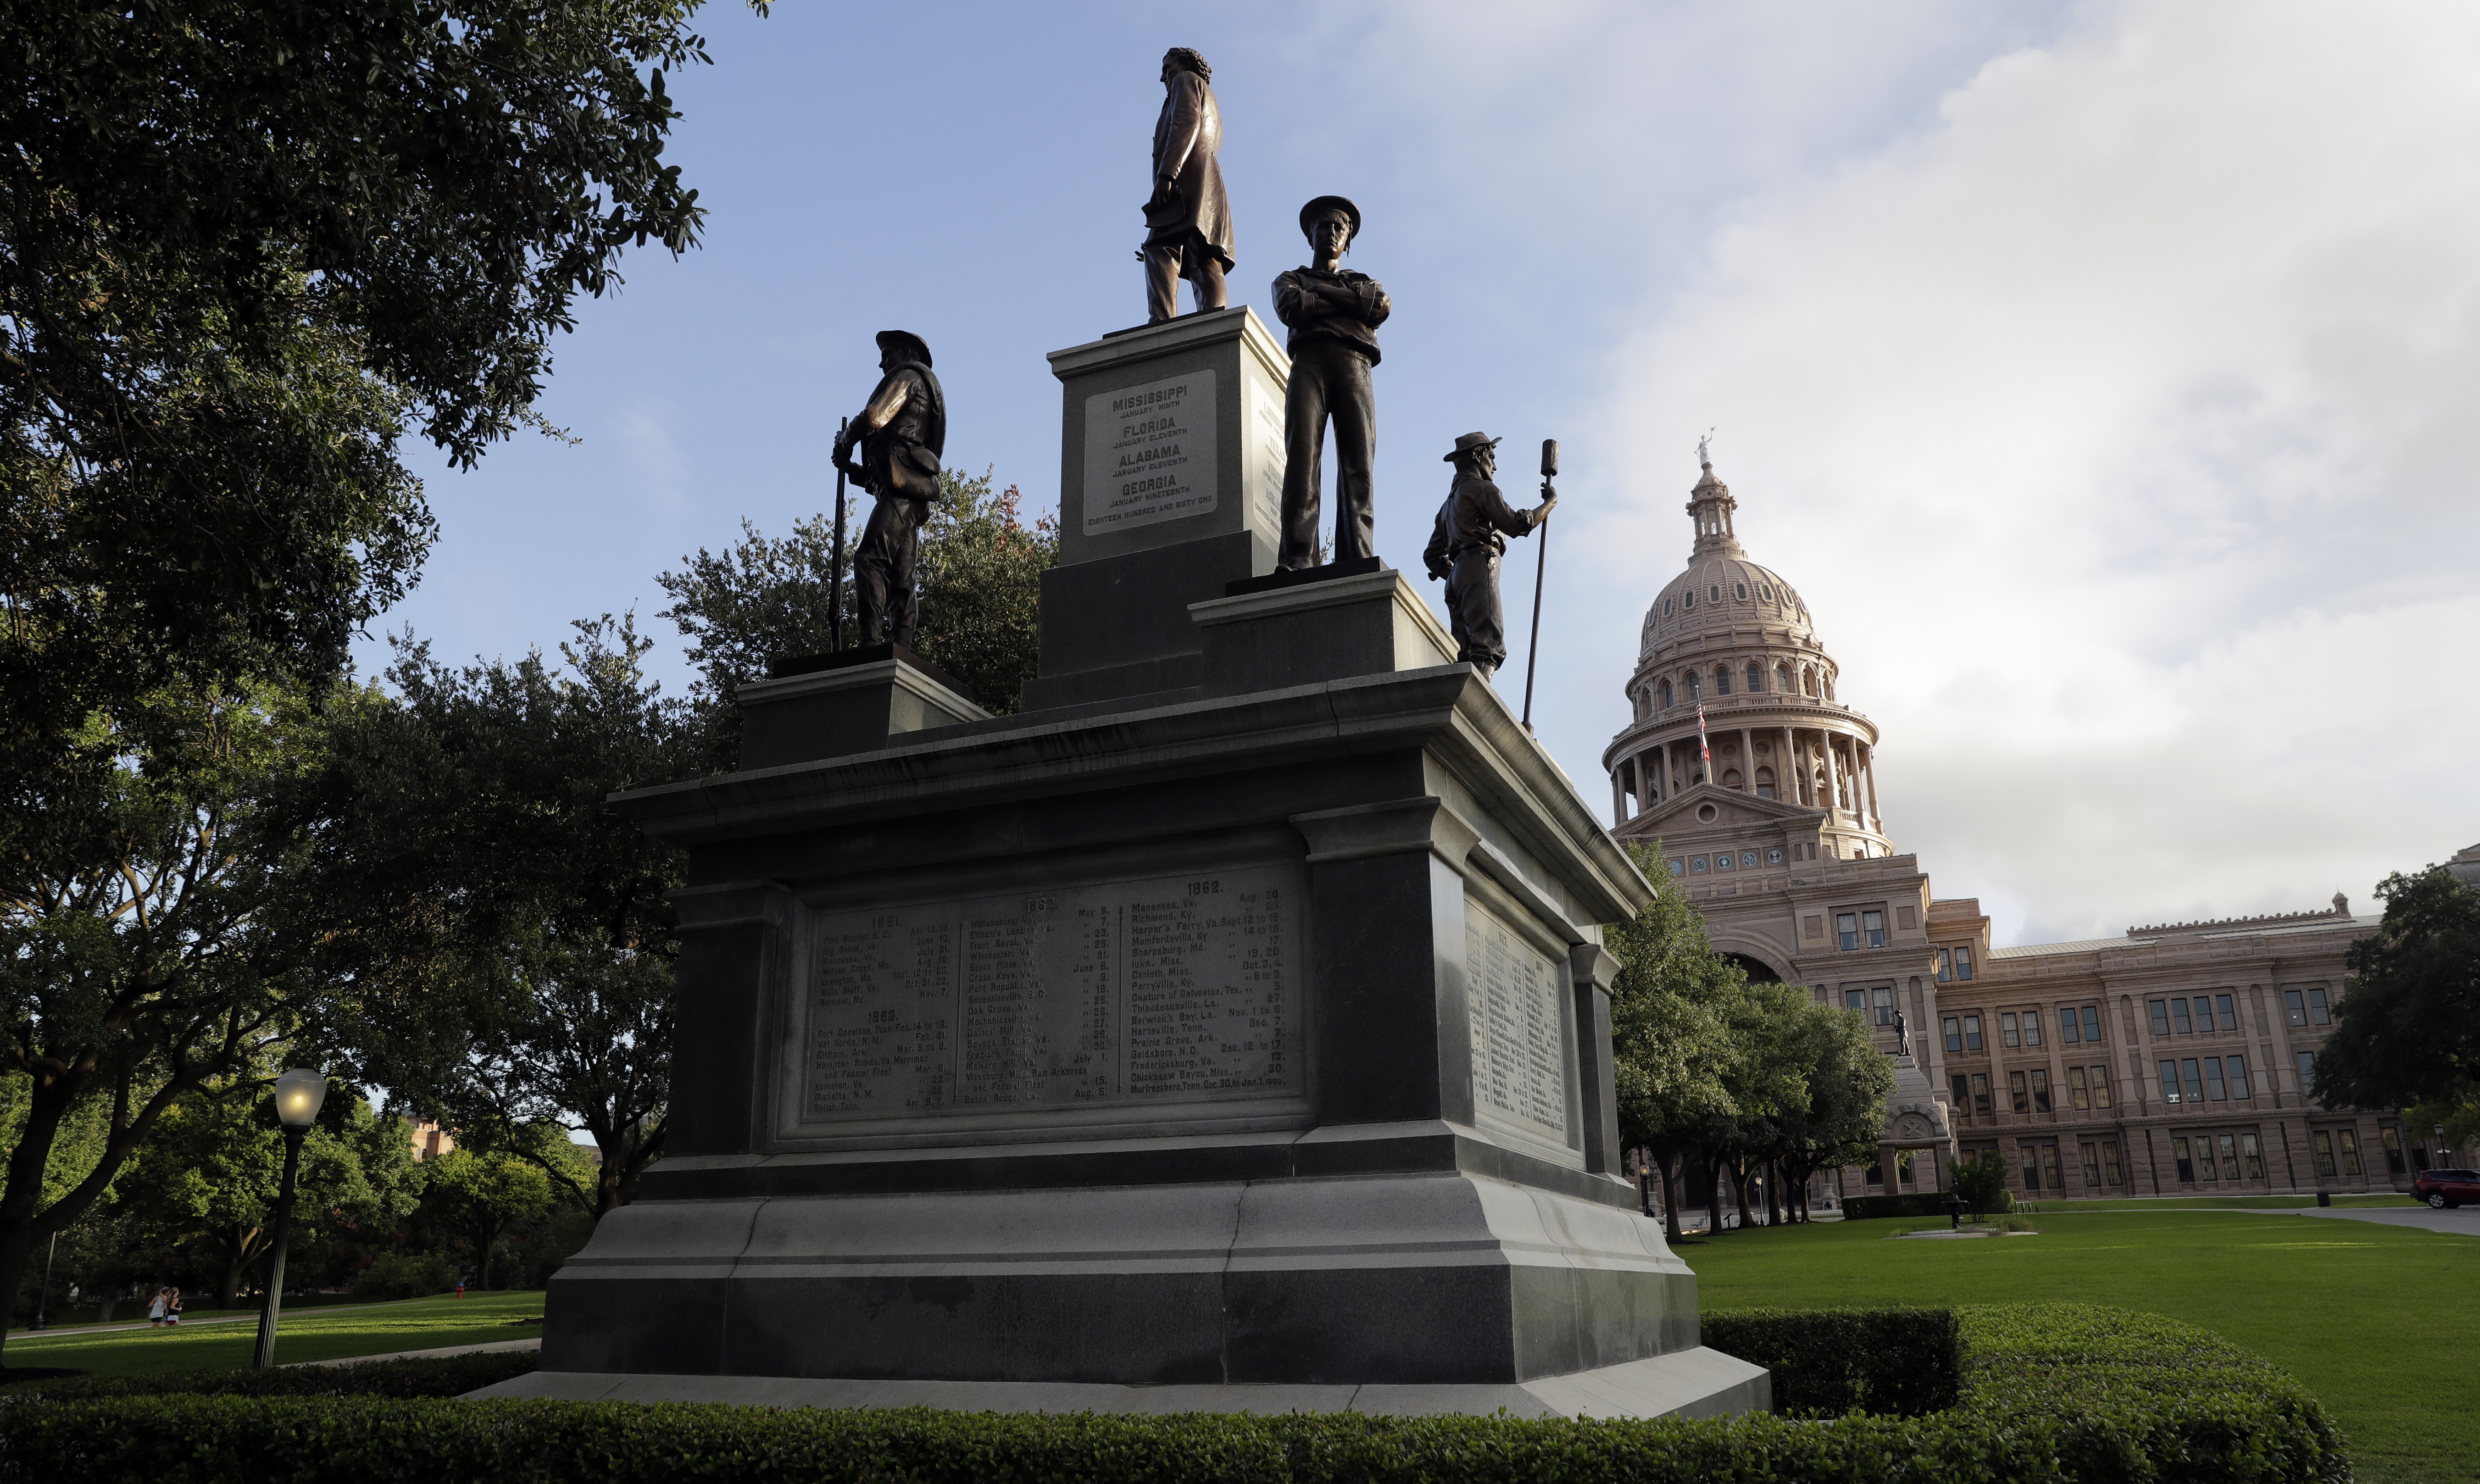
1619 795
1875 822
1791 770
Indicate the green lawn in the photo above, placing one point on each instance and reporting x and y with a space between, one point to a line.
303 1335
2383 1323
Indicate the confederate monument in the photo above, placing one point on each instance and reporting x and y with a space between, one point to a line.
1188 218
1466 543
902 434
1333 315
1228 1030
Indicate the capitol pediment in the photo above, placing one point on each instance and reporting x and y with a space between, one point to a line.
1686 810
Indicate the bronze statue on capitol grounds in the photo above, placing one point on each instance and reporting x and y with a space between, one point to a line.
1465 545
1188 218
1333 315
902 434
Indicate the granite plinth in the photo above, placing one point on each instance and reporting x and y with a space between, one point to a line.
1411 1279
1698 1382
852 704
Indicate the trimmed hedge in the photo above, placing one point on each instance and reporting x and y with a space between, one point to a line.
2051 1393
1898 1361
1923 1203
440 1375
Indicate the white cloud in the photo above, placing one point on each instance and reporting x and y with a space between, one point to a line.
2118 428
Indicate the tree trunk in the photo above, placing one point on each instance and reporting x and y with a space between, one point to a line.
1774 1192
1716 1166
1670 1193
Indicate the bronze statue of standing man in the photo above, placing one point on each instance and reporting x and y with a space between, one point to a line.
1333 314
1465 545
1188 218
902 435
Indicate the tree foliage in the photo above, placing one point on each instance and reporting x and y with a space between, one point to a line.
2407 1027
174 948
213 1173
510 946
763 599
1735 1075
480 1194
242 247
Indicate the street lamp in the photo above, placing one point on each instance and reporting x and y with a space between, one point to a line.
298 1094
2444 1155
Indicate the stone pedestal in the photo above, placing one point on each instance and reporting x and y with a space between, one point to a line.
1229 1029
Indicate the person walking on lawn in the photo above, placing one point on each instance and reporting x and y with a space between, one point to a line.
155 1310
172 1307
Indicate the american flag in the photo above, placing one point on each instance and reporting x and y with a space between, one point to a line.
1704 753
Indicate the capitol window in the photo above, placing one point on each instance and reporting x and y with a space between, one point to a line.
1715 591
1741 591
1963 965
1665 693
1692 687
1766 787
1666 607
1688 598
1722 679
1765 593
1756 678
1782 677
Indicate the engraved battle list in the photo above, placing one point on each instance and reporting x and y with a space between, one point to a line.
1174 990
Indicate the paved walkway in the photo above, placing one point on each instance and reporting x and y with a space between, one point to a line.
2464 1223
534 1344
251 1318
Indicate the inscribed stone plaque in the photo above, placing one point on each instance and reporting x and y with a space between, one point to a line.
1174 990
1519 1043
1149 454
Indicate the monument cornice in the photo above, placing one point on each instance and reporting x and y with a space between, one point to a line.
1446 709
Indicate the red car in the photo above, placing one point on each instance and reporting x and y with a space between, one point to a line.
2447 1188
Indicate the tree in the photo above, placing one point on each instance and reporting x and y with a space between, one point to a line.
761 598
2407 1029
511 947
214 1172
241 246
1981 1182
1767 1082
480 1195
1671 1009
176 948
1847 1081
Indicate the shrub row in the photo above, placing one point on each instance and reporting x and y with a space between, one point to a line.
1896 1362
445 1375
2049 1393
1923 1203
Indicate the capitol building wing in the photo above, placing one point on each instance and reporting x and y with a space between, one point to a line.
2171 1060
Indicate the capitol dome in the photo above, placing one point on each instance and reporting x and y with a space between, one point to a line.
1732 681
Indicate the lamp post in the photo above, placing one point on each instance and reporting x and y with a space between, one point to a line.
298 1094
2441 1151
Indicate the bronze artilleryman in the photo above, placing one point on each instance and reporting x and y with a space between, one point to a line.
902 434
1333 314
1188 218
1466 543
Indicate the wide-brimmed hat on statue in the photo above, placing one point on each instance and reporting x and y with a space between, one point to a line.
1319 206
1469 442
904 346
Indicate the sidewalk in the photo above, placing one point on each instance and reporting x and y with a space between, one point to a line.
251 1318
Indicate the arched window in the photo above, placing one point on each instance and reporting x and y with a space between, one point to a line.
1756 678
1688 598
1643 705
1722 679
1666 695
1808 682
1693 689
1715 591
1830 687
1782 677
1764 782
1731 778
1666 607
1740 590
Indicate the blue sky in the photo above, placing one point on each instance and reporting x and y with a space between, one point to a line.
2101 375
